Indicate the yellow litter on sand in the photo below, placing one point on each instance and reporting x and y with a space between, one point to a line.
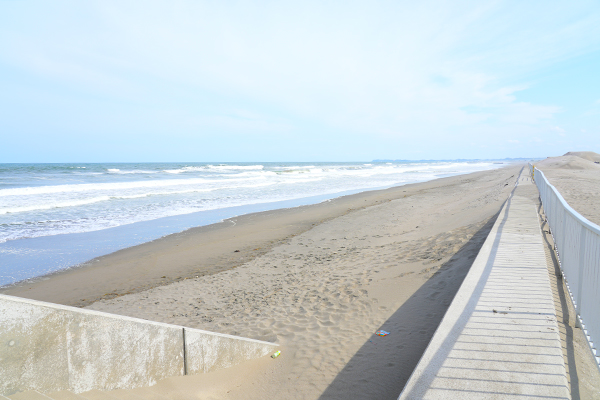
276 354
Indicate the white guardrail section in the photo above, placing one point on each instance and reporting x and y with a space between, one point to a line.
577 242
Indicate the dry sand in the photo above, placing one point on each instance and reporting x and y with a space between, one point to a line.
323 293
578 181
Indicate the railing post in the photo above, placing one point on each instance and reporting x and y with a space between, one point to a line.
563 236
580 276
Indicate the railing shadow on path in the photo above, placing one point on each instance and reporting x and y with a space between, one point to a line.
412 326
559 288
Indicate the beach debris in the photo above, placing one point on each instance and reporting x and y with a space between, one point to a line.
236 251
276 354
381 332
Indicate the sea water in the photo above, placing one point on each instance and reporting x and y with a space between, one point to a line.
56 216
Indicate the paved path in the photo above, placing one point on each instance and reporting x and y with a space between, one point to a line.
499 338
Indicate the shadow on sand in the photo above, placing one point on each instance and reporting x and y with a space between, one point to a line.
382 366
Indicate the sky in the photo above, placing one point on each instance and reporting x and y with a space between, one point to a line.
195 81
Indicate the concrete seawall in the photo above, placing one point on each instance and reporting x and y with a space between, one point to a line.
49 347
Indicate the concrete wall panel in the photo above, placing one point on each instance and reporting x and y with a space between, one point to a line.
50 347
208 351
110 352
30 348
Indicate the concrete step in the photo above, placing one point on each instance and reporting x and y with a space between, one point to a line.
143 393
148 394
97 395
29 395
118 394
124 394
64 395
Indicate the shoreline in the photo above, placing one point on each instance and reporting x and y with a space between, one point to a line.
142 267
31 259
73 250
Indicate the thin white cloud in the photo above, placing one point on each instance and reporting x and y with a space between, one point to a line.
392 69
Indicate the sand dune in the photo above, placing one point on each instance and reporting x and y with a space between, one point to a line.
586 155
578 181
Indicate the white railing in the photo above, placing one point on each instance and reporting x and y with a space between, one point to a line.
577 242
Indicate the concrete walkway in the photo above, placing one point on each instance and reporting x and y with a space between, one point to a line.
499 338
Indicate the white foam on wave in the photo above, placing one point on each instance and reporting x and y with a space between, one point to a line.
81 202
43 203
214 168
131 171
185 169
85 187
121 199
207 183
297 167
224 167
37 207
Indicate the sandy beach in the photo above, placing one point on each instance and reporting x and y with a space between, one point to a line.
319 280
305 174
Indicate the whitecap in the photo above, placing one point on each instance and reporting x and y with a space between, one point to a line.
46 206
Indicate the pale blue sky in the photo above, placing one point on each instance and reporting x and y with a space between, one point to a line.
297 81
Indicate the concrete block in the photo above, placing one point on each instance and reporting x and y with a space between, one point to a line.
125 394
147 394
65 395
209 351
29 395
49 347
97 395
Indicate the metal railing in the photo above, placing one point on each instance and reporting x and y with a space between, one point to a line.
577 243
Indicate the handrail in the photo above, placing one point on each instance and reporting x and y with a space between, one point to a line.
577 244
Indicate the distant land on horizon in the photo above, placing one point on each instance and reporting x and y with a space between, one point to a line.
279 162
464 159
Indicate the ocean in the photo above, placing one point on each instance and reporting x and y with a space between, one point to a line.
57 216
